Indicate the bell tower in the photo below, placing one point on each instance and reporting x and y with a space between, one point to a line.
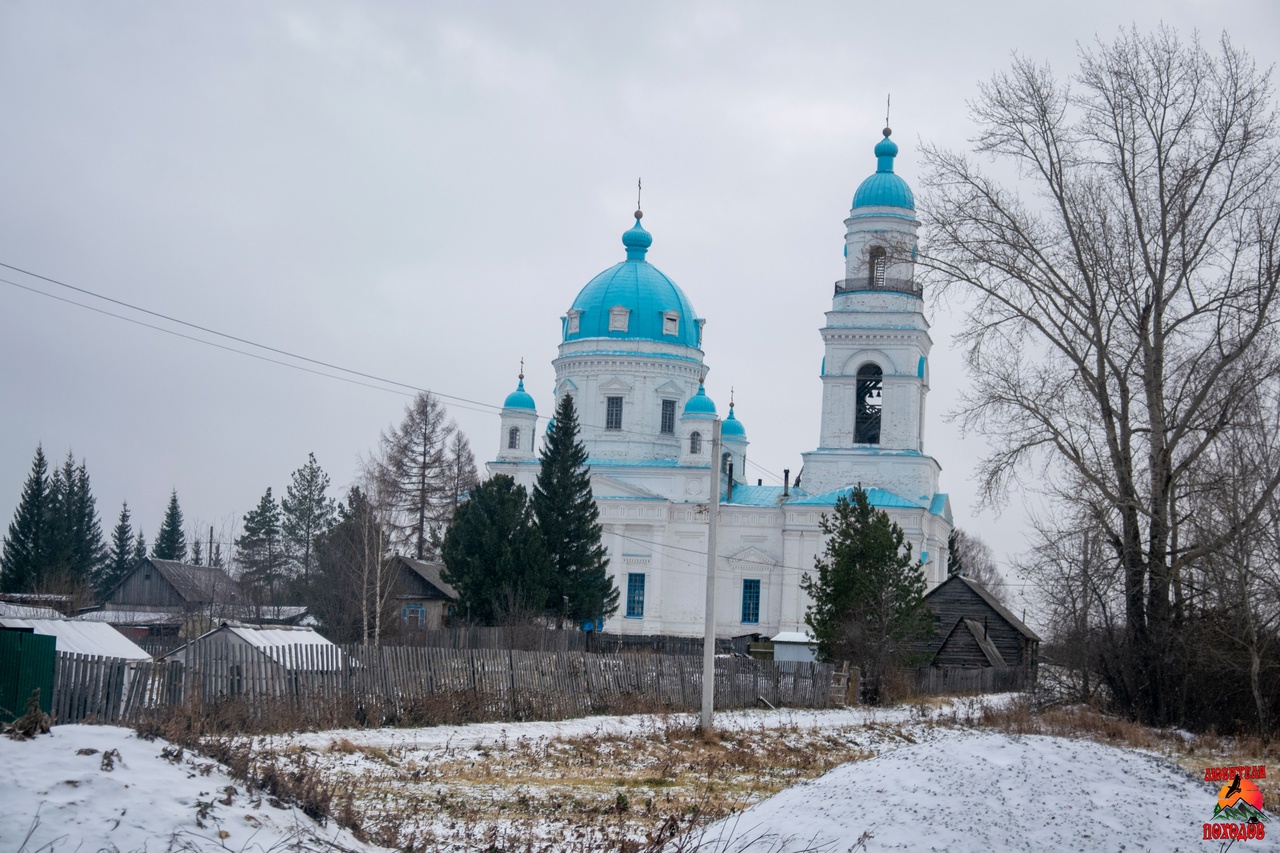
875 371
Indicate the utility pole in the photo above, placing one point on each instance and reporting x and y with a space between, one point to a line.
709 614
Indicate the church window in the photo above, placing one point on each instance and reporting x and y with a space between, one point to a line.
635 595
725 460
613 413
668 417
618 317
695 443
751 601
513 439
879 263
870 402
574 321
671 323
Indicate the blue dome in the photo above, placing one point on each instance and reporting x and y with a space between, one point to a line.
640 287
700 404
520 399
732 427
884 188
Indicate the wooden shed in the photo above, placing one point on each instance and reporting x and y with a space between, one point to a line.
973 629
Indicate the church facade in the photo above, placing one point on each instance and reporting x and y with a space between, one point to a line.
632 358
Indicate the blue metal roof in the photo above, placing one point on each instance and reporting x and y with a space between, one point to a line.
642 288
884 188
700 405
878 498
756 496
520 399
732 427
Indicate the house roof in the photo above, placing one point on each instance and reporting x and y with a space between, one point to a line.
991 600
85 638
274 641
199 584
25 611
430 572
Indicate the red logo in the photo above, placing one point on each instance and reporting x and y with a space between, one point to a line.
1238 815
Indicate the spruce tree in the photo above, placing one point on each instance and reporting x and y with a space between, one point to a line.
197 552
139 548
307 512
26 546
494 556
868 596
121 558
260 549
569 520
88 550
171 542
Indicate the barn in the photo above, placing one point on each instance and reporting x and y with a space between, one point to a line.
973 629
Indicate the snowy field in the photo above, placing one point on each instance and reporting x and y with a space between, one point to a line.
922 786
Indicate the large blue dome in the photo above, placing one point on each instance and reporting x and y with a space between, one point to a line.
884 188
641 288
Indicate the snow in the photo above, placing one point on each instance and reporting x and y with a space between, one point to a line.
930 787
85 638
980 790
68 801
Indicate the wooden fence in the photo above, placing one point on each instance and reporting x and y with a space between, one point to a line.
935 680
316 686
536 638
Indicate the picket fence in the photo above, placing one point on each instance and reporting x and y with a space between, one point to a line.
324 686
936 680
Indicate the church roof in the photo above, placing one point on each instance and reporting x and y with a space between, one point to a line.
732 427
884 188
520 399
643 289
877 497
700 404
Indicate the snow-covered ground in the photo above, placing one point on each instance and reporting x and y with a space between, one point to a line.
929 787
59 793
983 791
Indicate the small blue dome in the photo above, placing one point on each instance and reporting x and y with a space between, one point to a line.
732 427
641 288
700 405
551 424
520 399
884 188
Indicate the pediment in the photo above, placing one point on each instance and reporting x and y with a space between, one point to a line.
565 386
614 384
753 556
670 388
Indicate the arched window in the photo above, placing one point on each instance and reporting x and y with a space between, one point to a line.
695 443
879 263
866 429
513 439
725 459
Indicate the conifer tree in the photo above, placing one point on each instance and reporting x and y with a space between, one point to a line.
197 552
307 512
171 542
412 472
139 548
26 545
568 518
494 556
121 558
260 549
88 550
868 596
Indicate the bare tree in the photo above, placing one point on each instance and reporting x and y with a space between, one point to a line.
1121 304
971 557
413 473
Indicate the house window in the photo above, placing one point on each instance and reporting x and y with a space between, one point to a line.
513 439
414 616
635 595
671 323
668 417
695 443
613 413
618 317
870 401
751 601
879 263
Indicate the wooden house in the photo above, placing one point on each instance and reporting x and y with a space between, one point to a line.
166 585
425 599
973 629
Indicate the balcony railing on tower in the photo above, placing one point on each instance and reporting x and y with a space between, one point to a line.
897 285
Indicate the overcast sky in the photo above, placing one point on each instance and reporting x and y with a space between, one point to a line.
417 191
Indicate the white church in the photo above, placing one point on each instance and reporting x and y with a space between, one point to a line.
632 358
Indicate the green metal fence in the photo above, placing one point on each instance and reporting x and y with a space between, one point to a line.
26 663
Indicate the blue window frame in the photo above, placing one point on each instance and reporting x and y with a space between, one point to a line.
751 601
635 595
